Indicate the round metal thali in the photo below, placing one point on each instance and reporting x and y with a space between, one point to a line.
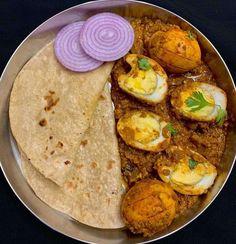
8 152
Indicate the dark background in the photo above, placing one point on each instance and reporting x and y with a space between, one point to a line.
217 20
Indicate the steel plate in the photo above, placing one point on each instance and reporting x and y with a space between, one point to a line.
8 151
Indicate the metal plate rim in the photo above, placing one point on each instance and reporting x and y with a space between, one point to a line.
128 1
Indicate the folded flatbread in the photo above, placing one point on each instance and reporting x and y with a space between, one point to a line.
93 188
50 110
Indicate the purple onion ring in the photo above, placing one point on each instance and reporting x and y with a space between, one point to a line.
69 51
106 37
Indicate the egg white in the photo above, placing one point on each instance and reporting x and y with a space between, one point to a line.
192 181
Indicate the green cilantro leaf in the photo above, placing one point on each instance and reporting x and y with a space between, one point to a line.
171 129
144 64
192 164
196 101
221 115
190 35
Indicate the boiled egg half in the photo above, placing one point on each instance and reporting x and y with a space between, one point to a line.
147 81
199 101
191 175
144 130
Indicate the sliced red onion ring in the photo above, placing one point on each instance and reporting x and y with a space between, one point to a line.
69 51
106 37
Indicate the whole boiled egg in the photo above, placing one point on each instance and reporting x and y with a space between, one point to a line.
190 174
146 80
144 130
200 101
176 50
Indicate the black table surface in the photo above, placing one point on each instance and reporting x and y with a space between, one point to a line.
217 20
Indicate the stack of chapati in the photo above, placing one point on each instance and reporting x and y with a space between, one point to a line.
64 126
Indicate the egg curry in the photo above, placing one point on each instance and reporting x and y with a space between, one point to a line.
171 121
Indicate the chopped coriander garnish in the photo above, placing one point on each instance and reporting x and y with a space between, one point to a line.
196 101
221 115
171 129
144 64
192 164
190 35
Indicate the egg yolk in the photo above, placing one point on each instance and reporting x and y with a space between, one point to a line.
186 94
184 175
142 81
145 129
